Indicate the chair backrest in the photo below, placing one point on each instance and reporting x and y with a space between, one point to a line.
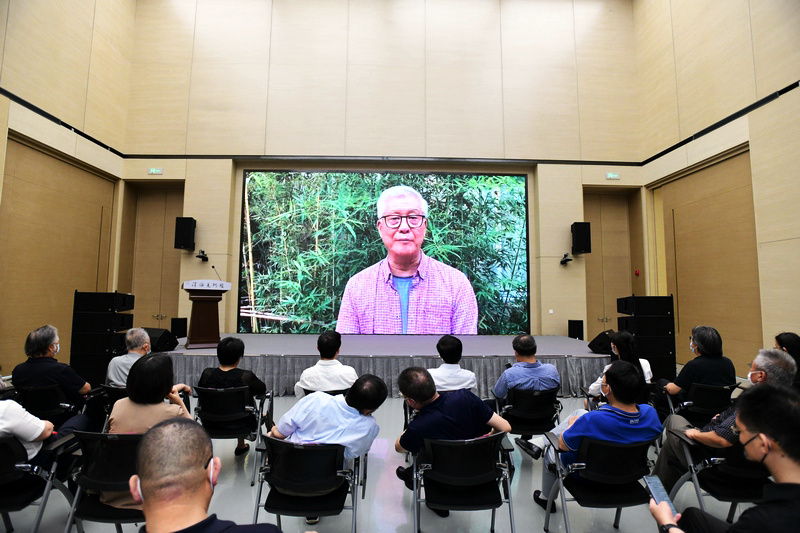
331 392
464 462
114 393
709 399
737 466
533 404
109 460
43 401
614 463
12 452
299 468
223 405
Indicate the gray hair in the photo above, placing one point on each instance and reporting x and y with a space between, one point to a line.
400 191
136 338
39 340
779 366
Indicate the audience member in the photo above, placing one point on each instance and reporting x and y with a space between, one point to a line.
790 343
230 351
623 346
450 376
41 368
527 373
775 367
772 440
137 341
328 374
620 421
457 415
177 472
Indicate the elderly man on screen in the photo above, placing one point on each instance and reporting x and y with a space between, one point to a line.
407 292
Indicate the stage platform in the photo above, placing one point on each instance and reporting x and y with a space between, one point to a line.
279 359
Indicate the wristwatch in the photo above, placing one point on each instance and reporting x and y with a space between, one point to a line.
666 527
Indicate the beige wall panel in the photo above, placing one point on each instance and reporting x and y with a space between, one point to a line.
715 76
665 165
98 157
4 109
596 175
227 108
780 290
616 252
775 159
595 305
719 140
562 291
306 110
385 110
29 124
3 27
107 94
386 79
309 32
606 80
114 22
158 108
46 56
540 98
232 31
136 169
463 79
636 224
164 31
776 37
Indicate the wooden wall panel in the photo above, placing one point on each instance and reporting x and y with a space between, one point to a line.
776 44
464 95
47 53
55 226
4 5
307 78
606 80
708 68
539 80
595 303
385 106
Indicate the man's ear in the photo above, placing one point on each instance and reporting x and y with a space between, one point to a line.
215 474
135 488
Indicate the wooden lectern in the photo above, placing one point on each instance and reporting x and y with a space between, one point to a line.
205 295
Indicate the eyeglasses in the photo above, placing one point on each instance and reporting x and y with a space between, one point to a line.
394 221
737 431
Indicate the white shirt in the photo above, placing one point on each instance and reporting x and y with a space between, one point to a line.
449 377
594 388
326 375
17 422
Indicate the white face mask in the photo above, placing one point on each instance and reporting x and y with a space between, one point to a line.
691 346
58 348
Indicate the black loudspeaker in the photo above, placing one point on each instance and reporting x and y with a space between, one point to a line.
647 325
101 322
184 233
645 305
575 329
581 238
178 326
97 343
102 302
602 343
161 340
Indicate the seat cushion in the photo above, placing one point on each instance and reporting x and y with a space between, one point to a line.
473 497
605 495
293 505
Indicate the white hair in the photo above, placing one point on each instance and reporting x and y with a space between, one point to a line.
400 191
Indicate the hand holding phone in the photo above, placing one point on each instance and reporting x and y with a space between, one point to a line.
658 492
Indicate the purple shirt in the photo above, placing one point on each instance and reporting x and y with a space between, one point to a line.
441 300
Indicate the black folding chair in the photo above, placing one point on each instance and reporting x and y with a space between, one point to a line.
531 412
463 475
109 460
728 477
307 480
231 414
47 402
110 395
703 402
606 475
22 483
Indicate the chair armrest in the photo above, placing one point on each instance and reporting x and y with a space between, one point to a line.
552 438
505 445
63 445
585 392
575 466
682 436
716 460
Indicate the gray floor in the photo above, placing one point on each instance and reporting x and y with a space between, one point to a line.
388 505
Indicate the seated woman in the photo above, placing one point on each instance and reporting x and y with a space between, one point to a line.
149 384
624 347
790 343
230 351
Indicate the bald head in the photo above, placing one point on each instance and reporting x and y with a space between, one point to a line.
172 460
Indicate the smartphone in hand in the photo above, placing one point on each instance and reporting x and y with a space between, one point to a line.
658 492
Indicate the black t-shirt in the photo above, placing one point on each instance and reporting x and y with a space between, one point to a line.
214 378
212 524
778 512
455 415
716 371
40 371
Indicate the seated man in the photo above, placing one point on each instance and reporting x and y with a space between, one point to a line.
344 419
770 366
450 376
458 415
527 373
177 472
230 351
137 341
328 374
620 421
772 440
41 368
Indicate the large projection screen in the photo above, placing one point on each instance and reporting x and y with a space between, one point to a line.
304 234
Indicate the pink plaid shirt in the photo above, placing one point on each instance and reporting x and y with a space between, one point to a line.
441 300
